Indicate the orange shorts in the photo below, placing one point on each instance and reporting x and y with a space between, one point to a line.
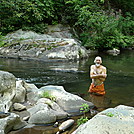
99 89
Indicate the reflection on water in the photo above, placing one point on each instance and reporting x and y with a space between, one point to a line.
101 102
74 76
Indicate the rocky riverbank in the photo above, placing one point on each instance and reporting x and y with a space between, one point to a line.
26 104
23 105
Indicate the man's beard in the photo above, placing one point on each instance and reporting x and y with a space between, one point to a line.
97 64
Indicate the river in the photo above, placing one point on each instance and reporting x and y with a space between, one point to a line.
74 76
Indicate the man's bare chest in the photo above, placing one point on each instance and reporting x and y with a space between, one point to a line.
98 70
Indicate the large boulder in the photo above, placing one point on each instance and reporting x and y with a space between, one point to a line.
68 50
11 122
45 111
7 90
29 87
23 90
41 114
68 102
56 45
20 94
59 112
118 120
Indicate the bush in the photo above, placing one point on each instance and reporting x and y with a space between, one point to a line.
48 95
28 13
84 108
105 31
1 40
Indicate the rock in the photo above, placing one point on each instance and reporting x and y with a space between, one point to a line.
66 124
59 112
55 124
29 87
20 92
12 122
26 118
32 97
93 112
7 90
53 45
72 50
59 31
68 102
3 114
41 114
114 51
19 107
118 120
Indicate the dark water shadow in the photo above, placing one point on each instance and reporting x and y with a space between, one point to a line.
100 102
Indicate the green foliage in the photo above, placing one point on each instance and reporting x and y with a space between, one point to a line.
102 31
110 114
99 27
74 8
1 40
82 120
124 5
48 95
28 13
84 108
39 28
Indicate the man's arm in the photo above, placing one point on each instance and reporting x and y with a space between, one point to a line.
104 74
97 76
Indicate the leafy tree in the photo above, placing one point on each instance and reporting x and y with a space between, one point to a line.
100 29
26 13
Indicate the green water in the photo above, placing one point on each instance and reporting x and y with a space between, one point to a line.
74 76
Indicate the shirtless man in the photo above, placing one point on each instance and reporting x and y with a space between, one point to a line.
98 76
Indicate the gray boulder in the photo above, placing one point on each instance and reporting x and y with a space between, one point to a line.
59 112
19 107
56 45
59 31
12 122
113 52
71 51
29 87
68 102
41 114
118 120
7 90
20 94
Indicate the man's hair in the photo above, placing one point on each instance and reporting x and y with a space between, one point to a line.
98 57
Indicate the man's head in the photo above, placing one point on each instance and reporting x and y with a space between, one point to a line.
98 61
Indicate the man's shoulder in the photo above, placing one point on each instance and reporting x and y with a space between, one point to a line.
92 66
103 67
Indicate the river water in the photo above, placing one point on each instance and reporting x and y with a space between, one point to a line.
74 76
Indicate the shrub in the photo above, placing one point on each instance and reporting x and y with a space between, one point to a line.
102 31
84 108
1 40
48 95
